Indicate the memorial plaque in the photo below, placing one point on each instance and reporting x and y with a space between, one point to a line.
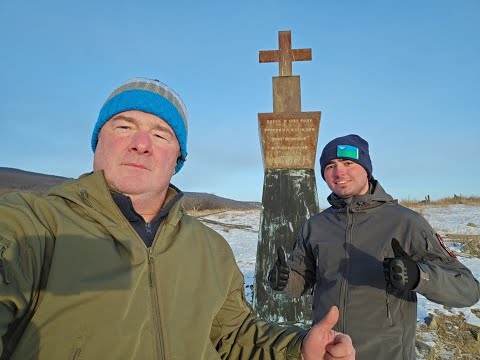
288 139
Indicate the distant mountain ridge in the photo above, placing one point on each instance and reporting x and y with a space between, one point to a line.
12 179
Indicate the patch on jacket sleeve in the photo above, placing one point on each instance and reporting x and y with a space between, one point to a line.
444 246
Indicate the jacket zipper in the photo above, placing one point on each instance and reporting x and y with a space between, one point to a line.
344 289
155 307
157 326
148 232
3 265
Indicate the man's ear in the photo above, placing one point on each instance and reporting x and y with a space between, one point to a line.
178 158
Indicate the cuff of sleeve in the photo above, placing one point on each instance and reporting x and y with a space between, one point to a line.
295 347
423 282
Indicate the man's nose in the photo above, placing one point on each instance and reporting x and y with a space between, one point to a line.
141 142
339 170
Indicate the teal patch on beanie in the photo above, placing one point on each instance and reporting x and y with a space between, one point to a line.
150 96
347 151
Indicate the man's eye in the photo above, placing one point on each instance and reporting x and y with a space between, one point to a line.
161 136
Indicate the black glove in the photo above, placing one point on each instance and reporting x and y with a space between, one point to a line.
278 276
401 272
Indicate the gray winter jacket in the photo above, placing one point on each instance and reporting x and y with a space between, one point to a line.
339 253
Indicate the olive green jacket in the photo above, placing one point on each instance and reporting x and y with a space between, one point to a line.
110 297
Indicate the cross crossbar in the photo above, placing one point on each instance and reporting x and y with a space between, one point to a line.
285 55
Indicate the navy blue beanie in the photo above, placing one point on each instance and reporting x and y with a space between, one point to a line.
351 147
150 96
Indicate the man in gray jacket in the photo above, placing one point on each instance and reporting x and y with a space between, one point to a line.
371 256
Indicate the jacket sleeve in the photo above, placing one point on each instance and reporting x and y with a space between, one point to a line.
237 333
443 278
302 265
21 254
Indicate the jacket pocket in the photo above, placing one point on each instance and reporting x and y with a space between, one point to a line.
432 252
388 308
388 253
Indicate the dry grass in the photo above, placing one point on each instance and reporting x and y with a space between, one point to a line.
413 204
454 337
456 199
416 204
201 213
221 213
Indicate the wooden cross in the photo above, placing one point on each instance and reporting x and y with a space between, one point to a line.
285 55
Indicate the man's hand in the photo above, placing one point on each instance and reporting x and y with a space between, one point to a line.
323 343
401 272
278 275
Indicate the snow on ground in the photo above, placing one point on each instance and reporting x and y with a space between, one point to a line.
243 242
453 219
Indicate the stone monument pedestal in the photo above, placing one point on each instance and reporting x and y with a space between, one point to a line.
289 198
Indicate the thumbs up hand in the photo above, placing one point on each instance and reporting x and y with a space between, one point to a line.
324 343
401 272
278 275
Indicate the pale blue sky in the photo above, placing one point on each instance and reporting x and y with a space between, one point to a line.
405 75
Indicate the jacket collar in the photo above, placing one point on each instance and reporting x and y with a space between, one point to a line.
126 207
91 192
375 197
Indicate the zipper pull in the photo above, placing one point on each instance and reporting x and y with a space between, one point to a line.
148 229
84 195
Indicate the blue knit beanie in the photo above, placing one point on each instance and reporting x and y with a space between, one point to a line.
150 96
351 147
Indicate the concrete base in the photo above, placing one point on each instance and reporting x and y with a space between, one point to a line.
289 199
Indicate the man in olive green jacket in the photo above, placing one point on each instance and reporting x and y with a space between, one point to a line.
131 275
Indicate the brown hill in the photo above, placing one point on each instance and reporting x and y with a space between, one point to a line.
20 180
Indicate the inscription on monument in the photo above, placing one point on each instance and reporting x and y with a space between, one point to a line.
289 142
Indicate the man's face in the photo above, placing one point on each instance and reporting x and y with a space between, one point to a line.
346 178
138 153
